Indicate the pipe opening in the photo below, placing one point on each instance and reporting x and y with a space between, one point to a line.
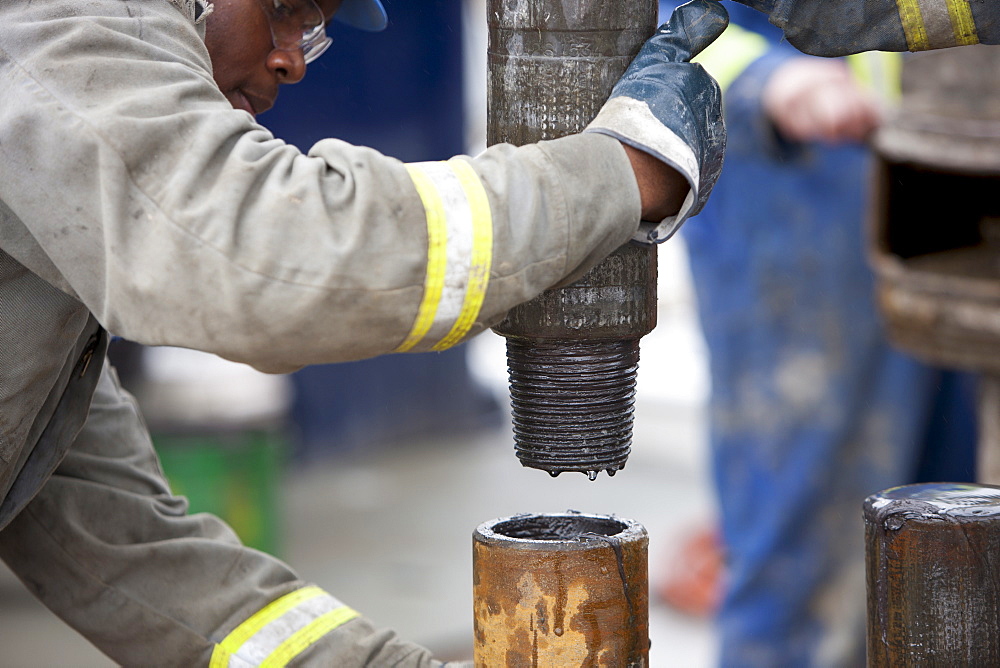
558 527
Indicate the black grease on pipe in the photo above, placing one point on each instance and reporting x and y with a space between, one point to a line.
572 403
570 526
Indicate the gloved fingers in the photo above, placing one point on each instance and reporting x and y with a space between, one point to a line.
691 28
671 109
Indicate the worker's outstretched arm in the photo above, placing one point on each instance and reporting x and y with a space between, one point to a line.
180 221
670 109
843 27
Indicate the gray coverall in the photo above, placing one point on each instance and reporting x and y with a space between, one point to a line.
135 200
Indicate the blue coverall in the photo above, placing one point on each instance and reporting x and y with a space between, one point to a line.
811 410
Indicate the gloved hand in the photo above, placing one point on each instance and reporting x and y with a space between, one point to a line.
671 108
843 27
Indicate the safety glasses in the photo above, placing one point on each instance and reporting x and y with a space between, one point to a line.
297 25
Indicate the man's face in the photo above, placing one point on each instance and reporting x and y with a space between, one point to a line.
246 65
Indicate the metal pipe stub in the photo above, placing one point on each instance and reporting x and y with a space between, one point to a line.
571 403
572 352
573 356
933 570
563 589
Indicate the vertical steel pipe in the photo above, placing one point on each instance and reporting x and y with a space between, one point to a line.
933 570
565 589
573 352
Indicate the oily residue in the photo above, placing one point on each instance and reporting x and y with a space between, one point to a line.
572 403
616 546
559 527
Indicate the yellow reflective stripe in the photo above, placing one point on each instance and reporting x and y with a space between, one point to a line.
937 24
913 25
220 657
281 630
436 257
727 57
459 256
482 252
306 636
266 615
962 22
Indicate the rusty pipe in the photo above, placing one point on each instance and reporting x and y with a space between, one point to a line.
562 589
573 352
933 574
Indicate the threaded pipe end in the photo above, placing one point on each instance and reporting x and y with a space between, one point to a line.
572 403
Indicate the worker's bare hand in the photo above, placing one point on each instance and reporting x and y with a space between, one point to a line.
810 99
661 187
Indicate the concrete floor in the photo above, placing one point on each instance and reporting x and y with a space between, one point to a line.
389 531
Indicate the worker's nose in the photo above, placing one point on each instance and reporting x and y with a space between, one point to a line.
288 65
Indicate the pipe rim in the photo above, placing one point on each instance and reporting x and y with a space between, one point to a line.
952 499
578 530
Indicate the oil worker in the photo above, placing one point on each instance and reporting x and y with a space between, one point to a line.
811 408
140 197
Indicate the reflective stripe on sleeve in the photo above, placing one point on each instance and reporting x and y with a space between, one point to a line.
437 261
962 23
913 25
459 252
937 24
282 630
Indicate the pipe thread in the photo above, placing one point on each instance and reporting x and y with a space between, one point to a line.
572 403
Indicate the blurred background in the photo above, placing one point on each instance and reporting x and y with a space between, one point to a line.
370 477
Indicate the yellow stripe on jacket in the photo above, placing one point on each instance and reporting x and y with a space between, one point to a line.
459 253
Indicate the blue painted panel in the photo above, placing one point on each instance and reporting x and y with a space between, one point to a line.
401 92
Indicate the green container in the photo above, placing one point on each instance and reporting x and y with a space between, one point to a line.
234 475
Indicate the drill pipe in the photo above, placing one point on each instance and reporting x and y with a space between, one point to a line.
933 575
563 589
573 352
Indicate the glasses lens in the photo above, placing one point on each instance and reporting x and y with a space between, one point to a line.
297 24
314 42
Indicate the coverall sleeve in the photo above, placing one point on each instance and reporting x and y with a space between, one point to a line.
127 181
843 27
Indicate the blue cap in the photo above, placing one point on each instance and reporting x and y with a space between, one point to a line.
364 14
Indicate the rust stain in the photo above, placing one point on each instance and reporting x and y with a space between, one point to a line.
552 606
